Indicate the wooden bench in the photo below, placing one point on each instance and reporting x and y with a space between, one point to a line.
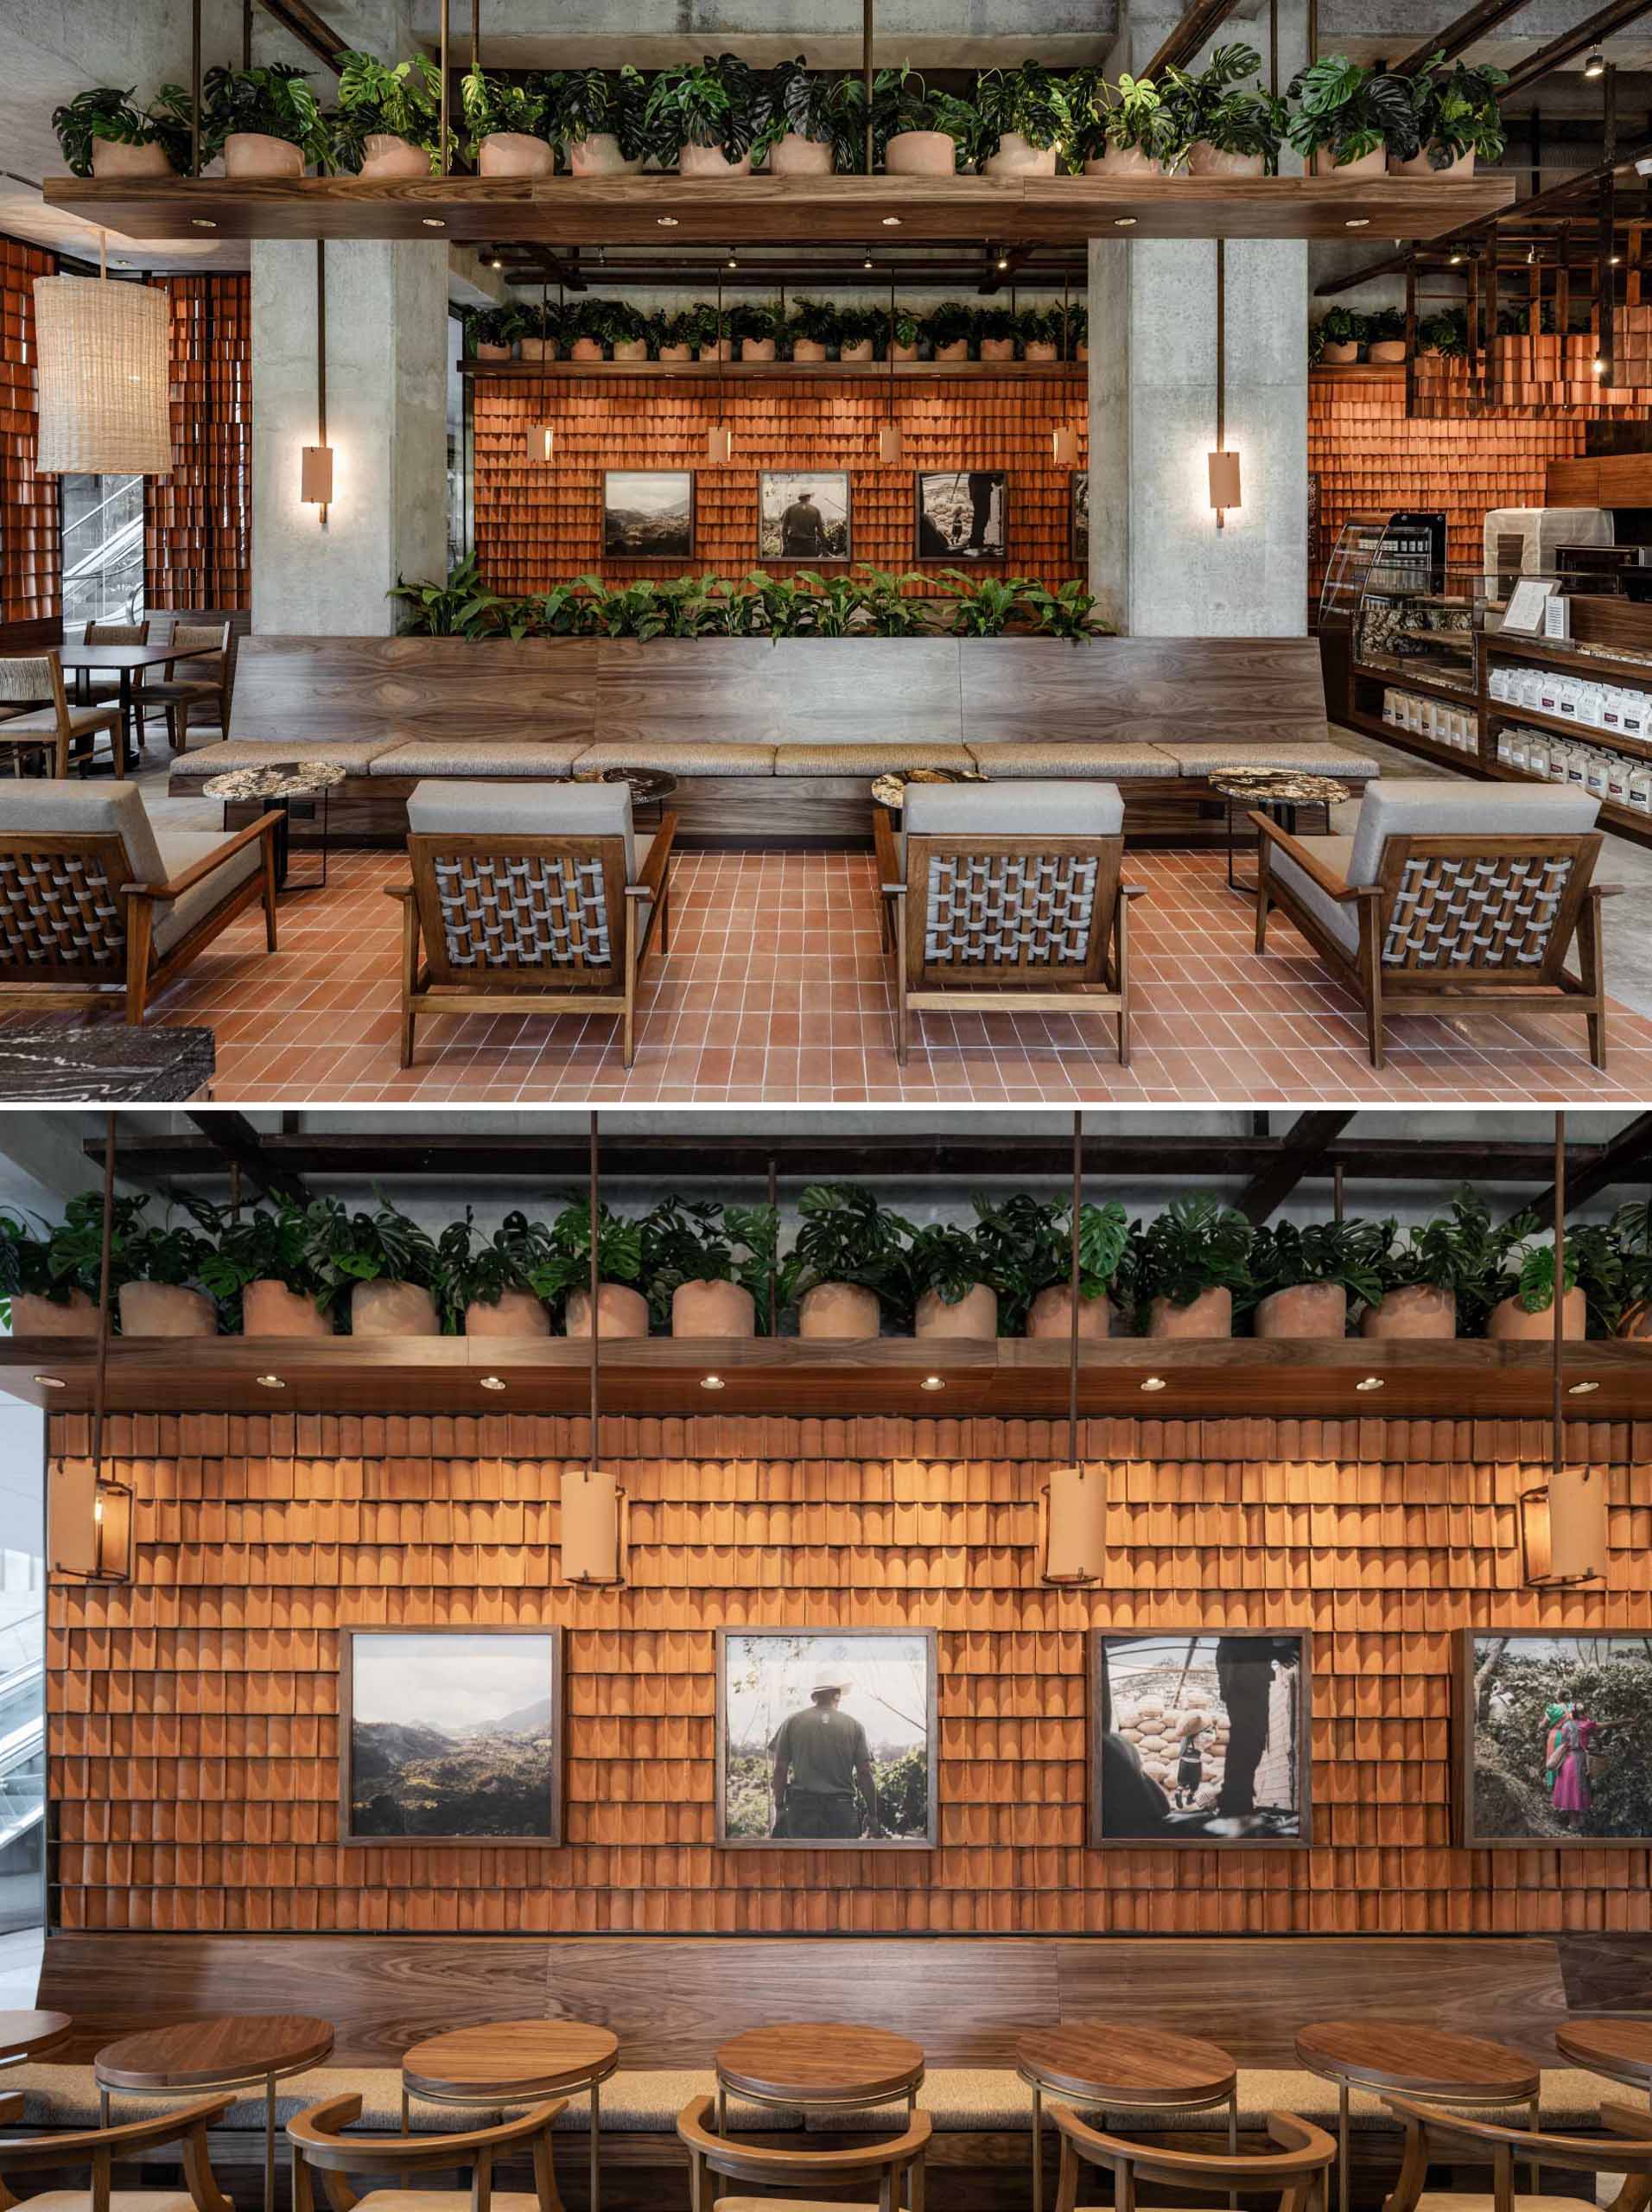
774 745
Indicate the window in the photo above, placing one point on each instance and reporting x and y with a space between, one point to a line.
103 548
458 449
22 1675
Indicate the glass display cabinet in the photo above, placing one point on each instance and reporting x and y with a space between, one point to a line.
1376 555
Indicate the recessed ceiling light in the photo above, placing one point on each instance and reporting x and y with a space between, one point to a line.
666 222
434 222
1357 223
711 1383
1370 1382
51 1383
1155 1383
270 1383
1595 64
491 1382
892 222
1124 222
933 1383
1580 1389
203 222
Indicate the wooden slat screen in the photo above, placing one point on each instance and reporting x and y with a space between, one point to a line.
31 558
198 521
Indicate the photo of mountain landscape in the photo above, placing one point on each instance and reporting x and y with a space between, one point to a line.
647 514
451 1733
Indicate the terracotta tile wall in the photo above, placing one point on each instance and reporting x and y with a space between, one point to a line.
31 557
537 526
197 536
193 1715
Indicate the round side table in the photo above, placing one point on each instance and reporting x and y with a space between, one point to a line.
1279 793
237 2051
820 2066
1419 2060
1088 2062
513 2063
1621 2050
284 784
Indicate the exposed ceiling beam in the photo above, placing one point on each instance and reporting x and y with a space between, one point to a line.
542 261
300 21
239 1144
1474 23
1590 33
1184 40
1302 1152
1628 1156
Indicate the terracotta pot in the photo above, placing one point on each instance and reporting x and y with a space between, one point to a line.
862 349
631 349
1081 351
904 352
249 153
538 349
1419 165
798 156
1206 160
33 1315
1337 356
757 349
998 349
807 349
713 1309
839 1310
518 1313
920 153
1015 157
1509 1322
1050 1315
1211 1314
488 352
957 351
515 153
1303 1309
676 353
269 1309
393 1309
1039 349
1375 164
164 1309
1386 349
383 154
722 351
711 160
1125 161
109 158
620 1311
974 1315
1419 1309
585 349
599 156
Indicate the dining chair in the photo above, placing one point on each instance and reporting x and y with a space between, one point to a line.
1456 2138
894 2165
101 2149
204 684
1297 2165
398 2162
39 717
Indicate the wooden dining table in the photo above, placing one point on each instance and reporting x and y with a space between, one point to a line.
124 662
513 2063
1131 2068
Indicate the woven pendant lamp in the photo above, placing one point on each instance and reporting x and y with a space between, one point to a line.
104 378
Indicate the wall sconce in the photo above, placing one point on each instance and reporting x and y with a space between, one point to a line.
92 1525
1073 1526
596 1533
541 441
1563 1529
720 444
315 469
1224 466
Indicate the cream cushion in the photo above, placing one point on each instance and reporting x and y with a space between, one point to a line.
83 721
479 756
1317 756
492 811
681 756
1076 809
788 2204
812 758
354 755
1022 757
1336 854
120 2200
88 811
443 2200
181 850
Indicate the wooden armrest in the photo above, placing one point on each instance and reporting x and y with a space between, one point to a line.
755 2161
1607 890
1135 890
398 891
12 2106
1313 868
316 2132
656 861
135 2135
1304 2148
263 827
888 853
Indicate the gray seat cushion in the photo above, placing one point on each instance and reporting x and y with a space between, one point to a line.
87 810
1342 921
354 755
1076 809
181 850
1432 806
498 809
1318 756
679 756
551 758
83 720
1017 758
811 758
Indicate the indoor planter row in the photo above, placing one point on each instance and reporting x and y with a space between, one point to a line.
801 330
853 1267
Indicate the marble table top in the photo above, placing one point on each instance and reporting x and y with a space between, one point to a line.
106 1063
282 780
890 790
1279 786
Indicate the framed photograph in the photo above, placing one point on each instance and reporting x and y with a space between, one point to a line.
647 514
1552 1739
827 1738
963 514
1078 516
450 1735
803 514
1200 1738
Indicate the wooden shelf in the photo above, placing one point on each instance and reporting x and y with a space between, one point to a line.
1458 695
1009 1376
1623 819
775 210
1557 652
1634 748
1412 741
876 372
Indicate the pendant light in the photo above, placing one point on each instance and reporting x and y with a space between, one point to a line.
542 434
892 446
104 376
90 1517
1073 1505
594 1507
315 472
1563 1524
1224 466
720 446
1063 444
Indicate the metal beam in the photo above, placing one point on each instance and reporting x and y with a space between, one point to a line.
1591 32
1184 40
1302 1153
1629 1156
300 21
239 1144
1474 23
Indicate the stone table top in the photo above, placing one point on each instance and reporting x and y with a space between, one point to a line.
890 790
282 780
1280 787
105 1064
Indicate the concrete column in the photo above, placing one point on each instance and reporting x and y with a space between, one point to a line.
386 383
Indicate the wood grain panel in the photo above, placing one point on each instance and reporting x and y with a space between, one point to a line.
193 1715
321 688
870 690
1141 690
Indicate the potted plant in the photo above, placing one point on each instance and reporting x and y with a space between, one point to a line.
908 333
47 1290
541 330
847 1265
1336 336
995 330
1067 612
1028 1247
565 1274
1039 332
102 134
982 606
712 338
951 1289
596 117
1347 116
1444 336
504 120
814 327
1523 1288
858 330
1077 322
1385 335
707 116
948 329
494 331
1434 1279
1231 129
626 328
265 121
385 1262
1304 1277
1630 1229
815 116
156 1271
707 1267
917 132
671 336
266 1261
1142 135
1184 1267
1023 117
757 324
1455 116
389 122
485 1284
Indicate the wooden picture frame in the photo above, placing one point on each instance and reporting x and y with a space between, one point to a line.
682 478
841 484
552 1636
728 1638
1189 1835
1465 1660
925 548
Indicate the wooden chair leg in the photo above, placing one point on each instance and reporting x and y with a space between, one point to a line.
140 937
628 1020
409 976
1124 979
665 910
269 865
1591 971
1264 895
1067 2187
1370 982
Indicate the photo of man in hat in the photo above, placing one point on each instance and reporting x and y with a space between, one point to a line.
821 1758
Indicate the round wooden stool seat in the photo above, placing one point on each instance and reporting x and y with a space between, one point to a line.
1412 2057
820 2063
1621 2050
32 2035
507 2062
1095 2063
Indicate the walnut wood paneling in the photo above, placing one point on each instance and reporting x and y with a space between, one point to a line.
1140 690
870 690
31 546
1609 479
193 1715
342 687
198 520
